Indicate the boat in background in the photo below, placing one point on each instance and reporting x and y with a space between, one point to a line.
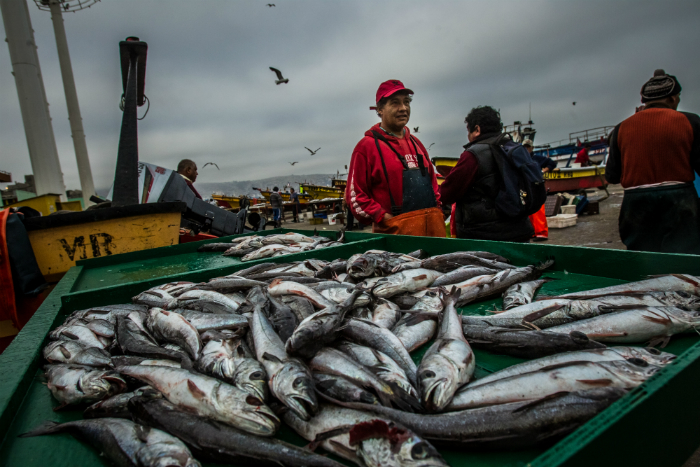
303 198
564 151
320 191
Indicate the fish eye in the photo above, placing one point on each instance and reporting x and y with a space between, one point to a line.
428 374
299 382
684 294
252 400
419 451
256 375
653 351
637 361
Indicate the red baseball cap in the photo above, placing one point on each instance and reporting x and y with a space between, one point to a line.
387 88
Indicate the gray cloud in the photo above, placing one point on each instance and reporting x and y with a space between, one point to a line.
214 99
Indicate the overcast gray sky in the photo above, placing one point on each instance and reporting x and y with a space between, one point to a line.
213 97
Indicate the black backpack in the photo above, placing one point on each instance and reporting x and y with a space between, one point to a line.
522 191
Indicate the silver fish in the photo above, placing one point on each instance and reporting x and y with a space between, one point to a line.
67 351
108 312
449 363
76 384
414 330
365 439
652 324
452 261
167 326
208 397
155 298
230 361
206 301
541 314
522 293
270 251
117 405
134 339
203 322
374 262
341 294
406 281
672 282
385 314
290 380
176 288
342 389
79 333
650 355
384 368
462 274
565 377
286 239
124 442
320 328
280 287
376 337
227 285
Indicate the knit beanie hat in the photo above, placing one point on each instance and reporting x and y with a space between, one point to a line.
660 86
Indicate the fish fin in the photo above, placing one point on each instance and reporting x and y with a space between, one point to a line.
545 264
46 428
326 384
685 278
270 357
537 402
404 400
606 334
541 313
421 277
417 318
321 437
596 382
348 453
661 341
142 432
65 352
60 406
70 335
195 391
556 366
658 319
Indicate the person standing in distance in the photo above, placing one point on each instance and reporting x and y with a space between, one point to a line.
188 170
276 204
655 155
538 219
391 181
294 198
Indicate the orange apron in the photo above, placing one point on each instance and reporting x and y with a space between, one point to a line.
539 222
427 222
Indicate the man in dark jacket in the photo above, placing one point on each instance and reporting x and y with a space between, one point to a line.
655 154
188 170
473 185
276 204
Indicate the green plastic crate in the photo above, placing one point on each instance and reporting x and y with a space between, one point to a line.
654 425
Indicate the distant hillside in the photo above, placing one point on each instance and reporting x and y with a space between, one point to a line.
245 187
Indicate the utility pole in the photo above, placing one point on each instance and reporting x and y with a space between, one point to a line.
74 117
41 143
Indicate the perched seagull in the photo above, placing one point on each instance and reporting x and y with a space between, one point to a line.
280 79
312 152
271 5
295 162
431 145
415 129
574 103
211 163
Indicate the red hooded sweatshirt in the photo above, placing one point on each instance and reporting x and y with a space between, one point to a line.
367 193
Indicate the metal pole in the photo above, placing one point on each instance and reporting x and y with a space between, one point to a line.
43 154
76 121
126 188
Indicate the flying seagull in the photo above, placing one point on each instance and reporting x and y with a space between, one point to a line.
211 163
271 5
574 103
415 129
431 145
280 79
312 152
295 162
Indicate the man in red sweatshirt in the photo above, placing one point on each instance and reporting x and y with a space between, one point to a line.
391 181
655 154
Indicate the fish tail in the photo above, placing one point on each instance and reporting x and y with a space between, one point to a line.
47 428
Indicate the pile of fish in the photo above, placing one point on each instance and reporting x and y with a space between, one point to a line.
210 371
258 247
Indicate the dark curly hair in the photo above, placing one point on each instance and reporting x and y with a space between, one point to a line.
487 118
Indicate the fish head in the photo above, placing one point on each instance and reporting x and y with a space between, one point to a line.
633 370
685 299
101 384
437 378
362 266
249 412
249 375
294 386
381 443
388 286
652 355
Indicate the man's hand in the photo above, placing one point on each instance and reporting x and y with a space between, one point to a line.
545 170
386 217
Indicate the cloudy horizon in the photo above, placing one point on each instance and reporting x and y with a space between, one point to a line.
213 98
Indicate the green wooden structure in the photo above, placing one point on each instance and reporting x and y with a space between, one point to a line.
655 424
